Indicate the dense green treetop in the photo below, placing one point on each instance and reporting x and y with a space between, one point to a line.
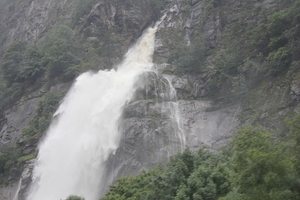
253 166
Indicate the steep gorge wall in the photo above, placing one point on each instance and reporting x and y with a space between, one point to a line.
29 20
148 125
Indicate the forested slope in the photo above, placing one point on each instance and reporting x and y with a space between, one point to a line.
253 166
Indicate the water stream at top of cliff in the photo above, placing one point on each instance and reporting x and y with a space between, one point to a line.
85 132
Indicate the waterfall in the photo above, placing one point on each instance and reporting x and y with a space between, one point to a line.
16 195
72 156
173 106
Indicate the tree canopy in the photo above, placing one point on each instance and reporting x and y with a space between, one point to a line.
255 165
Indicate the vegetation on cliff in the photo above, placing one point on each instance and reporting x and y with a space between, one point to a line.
260 44
255 165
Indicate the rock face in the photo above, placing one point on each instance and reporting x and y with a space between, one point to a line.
203 18
151 129
9 192
168 113
120 23
157 125
130 17
206 128
17 118
30 20
295 90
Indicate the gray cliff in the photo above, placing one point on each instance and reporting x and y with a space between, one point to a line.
170 111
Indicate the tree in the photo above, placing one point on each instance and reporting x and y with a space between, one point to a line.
44 113
8 157
209 179
133 188
166 184
188 59
34 65
262 167
73 197
294 126
13 61
62 53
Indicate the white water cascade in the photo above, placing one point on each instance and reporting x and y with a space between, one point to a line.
72 156
175 115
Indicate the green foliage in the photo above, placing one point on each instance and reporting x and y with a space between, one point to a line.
186 176
8 157
260 44
165 186
279 60
33 64
44 113
81 8
262 168
13 61
209 179
228 60
62 54
60 57
253 166
157 5
10 94
294 125
74 197
188 59
21 67
278 31
131 188
206 183
27 157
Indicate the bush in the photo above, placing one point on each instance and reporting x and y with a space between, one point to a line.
73 197
41 121
157 5
262 168
8 157
188 175
278 61
13 61
81 8
62 54
11 94
188 59
33 66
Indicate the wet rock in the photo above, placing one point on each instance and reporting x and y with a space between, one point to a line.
209 128
295 91
9 192
190 86
264 115
31 19
153 130
25 180
17 118
127 19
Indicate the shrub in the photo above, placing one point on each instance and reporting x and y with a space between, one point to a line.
13 61
8 157
73 197
33 66
188 59
62 54
81 8
42 119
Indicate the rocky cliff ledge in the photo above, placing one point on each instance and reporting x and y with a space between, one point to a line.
172 110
